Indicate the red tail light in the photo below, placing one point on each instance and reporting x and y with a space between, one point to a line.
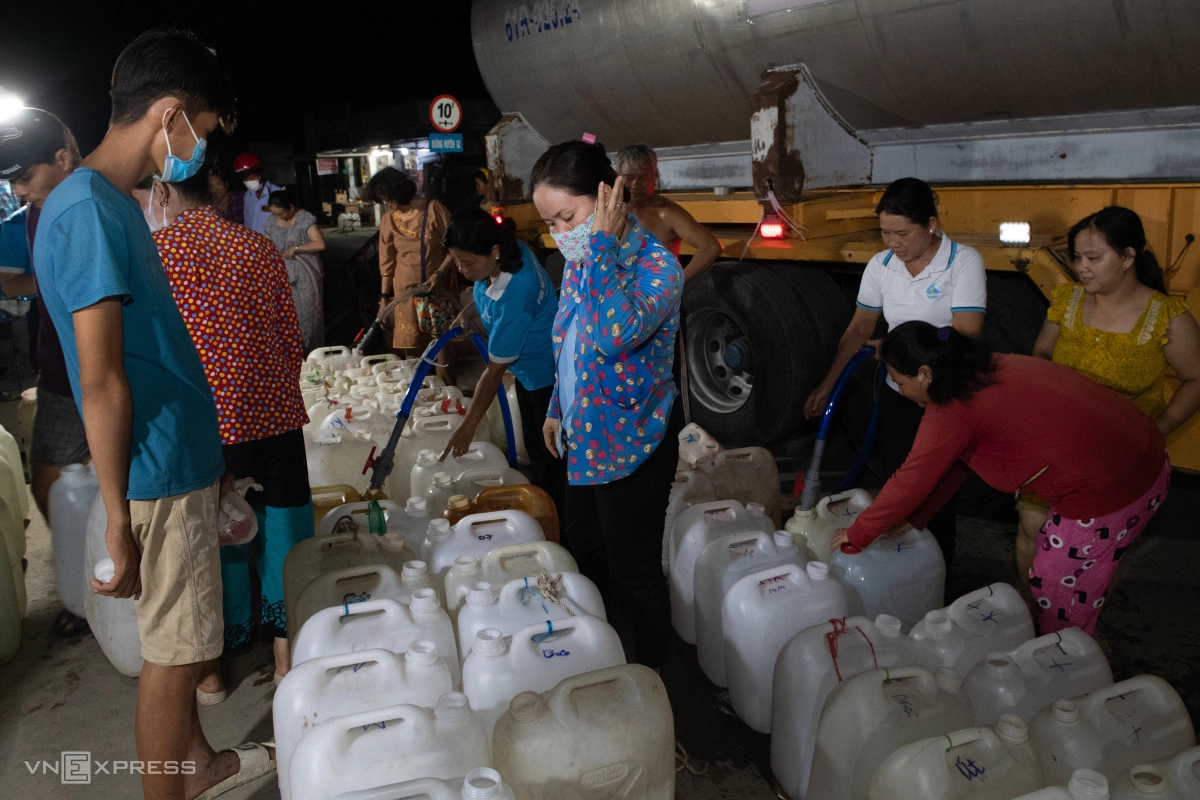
499 218
771 229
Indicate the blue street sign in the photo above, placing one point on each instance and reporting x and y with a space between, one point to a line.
446 142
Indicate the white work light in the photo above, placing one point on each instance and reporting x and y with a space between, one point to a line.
10 104
1014 232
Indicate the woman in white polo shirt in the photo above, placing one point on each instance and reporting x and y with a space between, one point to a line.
922 276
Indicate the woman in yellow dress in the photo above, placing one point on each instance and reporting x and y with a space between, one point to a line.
1119 327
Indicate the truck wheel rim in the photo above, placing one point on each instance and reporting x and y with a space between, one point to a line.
720 360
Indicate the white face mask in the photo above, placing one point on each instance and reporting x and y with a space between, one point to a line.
148 212
253 186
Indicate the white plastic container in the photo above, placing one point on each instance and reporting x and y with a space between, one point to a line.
359 419
989 620
1174 778
901 576
10 612
335 359
749 475
441 489
535 659
760 613
337 457
694 529
982 763
350 683
689 488
354 585
425 433
1085 784
393 512
481 455
1111 730
12 520
387 745
1057 666
495 420
481 783
695 443
473 481
477 535
378 625
808 668
723 563
600 735
71 499
416 521
502 565
519 604
113 622
814 529
871 715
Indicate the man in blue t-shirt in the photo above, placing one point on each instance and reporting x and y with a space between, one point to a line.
147 408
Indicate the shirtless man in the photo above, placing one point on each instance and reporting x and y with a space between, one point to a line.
638 165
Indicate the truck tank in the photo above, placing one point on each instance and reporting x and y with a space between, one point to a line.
682 72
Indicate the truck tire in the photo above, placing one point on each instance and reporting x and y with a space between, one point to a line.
759 339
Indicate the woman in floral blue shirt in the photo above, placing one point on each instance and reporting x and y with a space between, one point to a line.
614 414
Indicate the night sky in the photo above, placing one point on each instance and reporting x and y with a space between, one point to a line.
284 58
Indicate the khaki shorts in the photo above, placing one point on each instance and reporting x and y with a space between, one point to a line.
179 611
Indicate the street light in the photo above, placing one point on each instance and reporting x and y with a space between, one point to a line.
10 105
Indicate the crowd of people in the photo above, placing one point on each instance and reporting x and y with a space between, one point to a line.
177 312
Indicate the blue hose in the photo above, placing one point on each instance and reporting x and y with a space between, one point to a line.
383 464
812 478
868 442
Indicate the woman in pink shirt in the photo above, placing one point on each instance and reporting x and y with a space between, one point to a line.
1024 424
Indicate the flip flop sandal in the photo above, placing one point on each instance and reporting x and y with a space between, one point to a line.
67 625
277 679
211 698
254 762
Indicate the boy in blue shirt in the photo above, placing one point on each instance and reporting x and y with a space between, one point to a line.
147 408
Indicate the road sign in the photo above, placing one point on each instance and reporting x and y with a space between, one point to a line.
445 112
446 142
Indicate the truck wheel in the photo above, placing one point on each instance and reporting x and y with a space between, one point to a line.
756 346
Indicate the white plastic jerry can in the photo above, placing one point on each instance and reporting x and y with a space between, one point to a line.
601 735
1174 778
477 535
387 745
113 621
695 443
334 686
814 529
393 512
1057 666
901 576
379 625
473 481
760 613
71 499
749 475
723 563
481 783
480 455
1085 784
353 585
437 496
534 659
694 529
808 668
1111 730
524 602
983 763
10 611
871 715
336 359
426 433
988 620
337 457
12 527
502 565
495 420
689 488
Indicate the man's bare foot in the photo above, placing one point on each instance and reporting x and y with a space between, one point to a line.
283 659
225 764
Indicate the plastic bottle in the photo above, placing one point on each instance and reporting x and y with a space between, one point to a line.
988 620
416 521
694 443
694 529
602 734
982 763
415 576
871 715
760 613
387 745
71 499
501 565
474 481
1057 666
437 496
808 668
525 497
535 659
336 359
1112 729
379 624
328 498
480 455
358 512
522 602
457 507
496 420
749 475
902 576
1085 784
350 683
476 535
351 585
481 783
336 457
1174 778
690 487
723 563
113 621
814 529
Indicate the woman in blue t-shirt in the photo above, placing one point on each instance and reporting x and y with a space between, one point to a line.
513 306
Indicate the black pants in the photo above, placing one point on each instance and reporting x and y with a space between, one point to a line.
898 423
615 532
549 473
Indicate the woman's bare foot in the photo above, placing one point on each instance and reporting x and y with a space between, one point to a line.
210 679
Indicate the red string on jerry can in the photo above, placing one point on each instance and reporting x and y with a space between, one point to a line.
831 641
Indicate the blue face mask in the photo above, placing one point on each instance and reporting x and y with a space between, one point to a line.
176 169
